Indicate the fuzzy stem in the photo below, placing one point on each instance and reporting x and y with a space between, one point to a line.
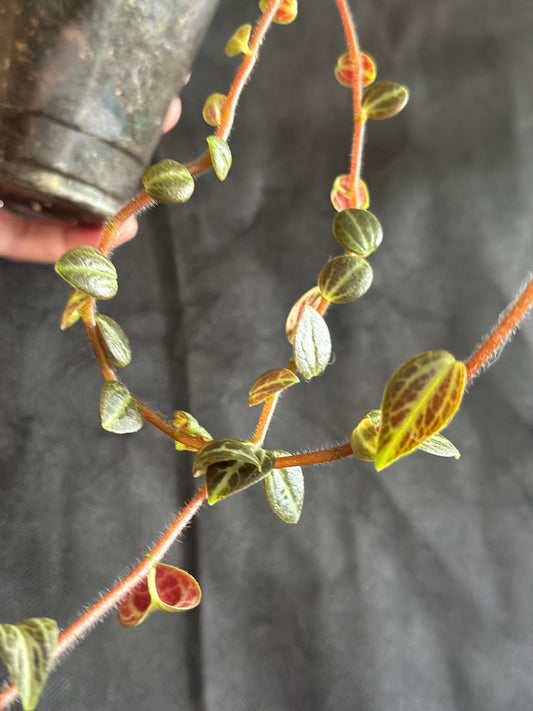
112 226
319 457
265 419
80 627
501 332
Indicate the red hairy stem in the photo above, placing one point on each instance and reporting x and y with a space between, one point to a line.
319 457
80 627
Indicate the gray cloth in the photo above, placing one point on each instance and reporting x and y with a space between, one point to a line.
405 590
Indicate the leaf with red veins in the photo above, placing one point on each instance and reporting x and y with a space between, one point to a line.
213 109
286 12
270 383
341 194
419 400
344 71
165 588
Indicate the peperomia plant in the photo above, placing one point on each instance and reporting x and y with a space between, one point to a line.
419 400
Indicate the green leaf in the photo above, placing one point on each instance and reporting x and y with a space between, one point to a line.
439 446
238 42
284 489
214 108
345 278
168 181
312 344
357 231
72 313
364 440
115 339
220 156
120 412
185 422
219 450
384 99
313 297
419 400
27 649
165 588
270 383
225 478
87 270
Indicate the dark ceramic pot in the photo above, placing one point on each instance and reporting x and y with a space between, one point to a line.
84 88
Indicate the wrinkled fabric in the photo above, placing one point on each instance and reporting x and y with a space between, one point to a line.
405 590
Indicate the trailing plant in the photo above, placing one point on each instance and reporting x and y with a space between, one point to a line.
420 399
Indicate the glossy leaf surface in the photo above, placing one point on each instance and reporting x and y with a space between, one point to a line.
220 156
345 278
341 193
312 344
115 339
364 440
284 490
219 450
345 69
312 298
168 181
213 109
165 588
119 411
384 99
420 399
185 422
357 231
72 313
238 42
88 271
27 649
270 383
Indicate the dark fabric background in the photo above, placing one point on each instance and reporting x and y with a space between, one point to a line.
407 590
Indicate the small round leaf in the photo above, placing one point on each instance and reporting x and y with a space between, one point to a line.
284 489
213 109
220 156
312 344
87 270
119 411
115 339
357 231
238 42
345 278
341 194
364 440
384 99
286 12
344 70
168 181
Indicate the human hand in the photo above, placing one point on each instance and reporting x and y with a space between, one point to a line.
30 240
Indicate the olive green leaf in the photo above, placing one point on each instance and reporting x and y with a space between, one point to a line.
168 181
419 400
119 411
115 339
87 270
72 313
384 99
27 649
219 450
220 156
357 231
238 42
270 383
345 278
312 344
185 422
284 489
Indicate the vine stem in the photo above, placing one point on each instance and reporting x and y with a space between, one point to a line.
501 332
111 599
321 456
265 419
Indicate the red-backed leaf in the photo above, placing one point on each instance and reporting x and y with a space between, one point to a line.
341 194
270 383
312 298
286 12
419 400
213 108
165 588
72 313
345 69
185 422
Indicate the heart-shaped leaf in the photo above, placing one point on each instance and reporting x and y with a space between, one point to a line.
72 313
312 344
220 156
286 12
419 400
27 649
341 193
357 231
284 489
115 339
224 478
185 422
119 411
168 182
312 298
270 383
213 109
165 588
238 42
87 270
384 99
345 278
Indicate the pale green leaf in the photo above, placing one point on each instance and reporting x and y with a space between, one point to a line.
312 344
119 411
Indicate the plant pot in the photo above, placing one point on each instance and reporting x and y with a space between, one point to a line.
84 88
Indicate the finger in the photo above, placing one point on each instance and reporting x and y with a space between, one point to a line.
40 241
173 115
